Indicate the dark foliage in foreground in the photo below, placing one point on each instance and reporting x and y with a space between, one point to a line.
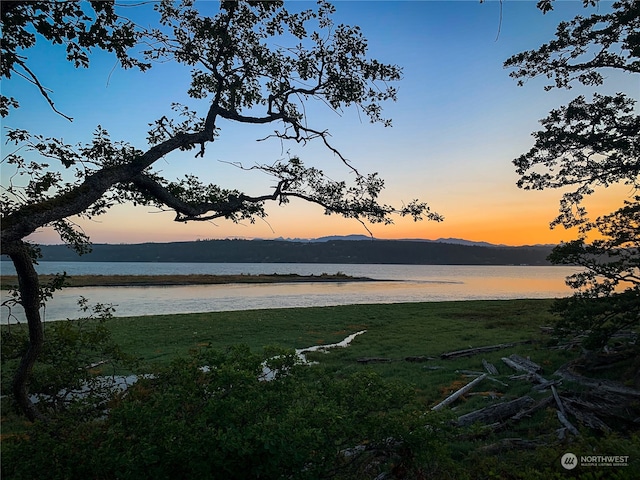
213 415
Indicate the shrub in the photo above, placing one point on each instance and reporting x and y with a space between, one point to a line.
71 375
211 415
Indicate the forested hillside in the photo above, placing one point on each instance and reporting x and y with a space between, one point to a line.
335 251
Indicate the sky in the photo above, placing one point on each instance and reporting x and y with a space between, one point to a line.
458 123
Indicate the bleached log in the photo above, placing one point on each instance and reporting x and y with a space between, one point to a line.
598 384
514 365
522 364
498 381
495 413
588 419
564 421
96 364
534 408
533 366
557 398
543 383
489 367
473 351
595 405
562 416
454 396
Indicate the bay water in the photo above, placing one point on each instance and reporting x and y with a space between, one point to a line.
394 284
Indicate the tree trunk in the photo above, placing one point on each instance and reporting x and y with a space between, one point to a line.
29 287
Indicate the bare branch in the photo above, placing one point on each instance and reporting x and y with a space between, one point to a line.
44 91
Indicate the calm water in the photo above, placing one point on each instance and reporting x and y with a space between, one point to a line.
406 283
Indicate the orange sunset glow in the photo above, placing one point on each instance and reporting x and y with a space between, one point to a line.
520 222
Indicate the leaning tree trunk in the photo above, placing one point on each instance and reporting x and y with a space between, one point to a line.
29 287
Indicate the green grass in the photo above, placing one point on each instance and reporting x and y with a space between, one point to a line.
393 330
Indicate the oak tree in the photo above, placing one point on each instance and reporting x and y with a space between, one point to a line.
238 74
585 145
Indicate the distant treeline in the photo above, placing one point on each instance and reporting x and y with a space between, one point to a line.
276 251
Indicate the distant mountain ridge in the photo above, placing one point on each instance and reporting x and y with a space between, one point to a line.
328 250
453 241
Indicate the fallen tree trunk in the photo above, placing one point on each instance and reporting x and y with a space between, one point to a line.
593 407
522 364
597 383
564 421
495 413
489 367
543 383
557 399
534 408
586 418
472 351
453 397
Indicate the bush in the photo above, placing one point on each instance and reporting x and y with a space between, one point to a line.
211 415
71 375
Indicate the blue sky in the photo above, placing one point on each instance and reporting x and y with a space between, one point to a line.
458 122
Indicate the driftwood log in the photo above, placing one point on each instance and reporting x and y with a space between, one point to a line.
522 364
453 397
596 383
473 351
531 370
527 412
495 413
604 405
586 418
489 367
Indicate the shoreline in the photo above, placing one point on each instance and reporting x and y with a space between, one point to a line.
7 281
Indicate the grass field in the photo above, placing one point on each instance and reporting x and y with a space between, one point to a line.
393 332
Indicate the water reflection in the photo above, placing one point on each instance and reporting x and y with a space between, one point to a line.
411 283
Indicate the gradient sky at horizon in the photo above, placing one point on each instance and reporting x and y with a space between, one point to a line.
458 123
